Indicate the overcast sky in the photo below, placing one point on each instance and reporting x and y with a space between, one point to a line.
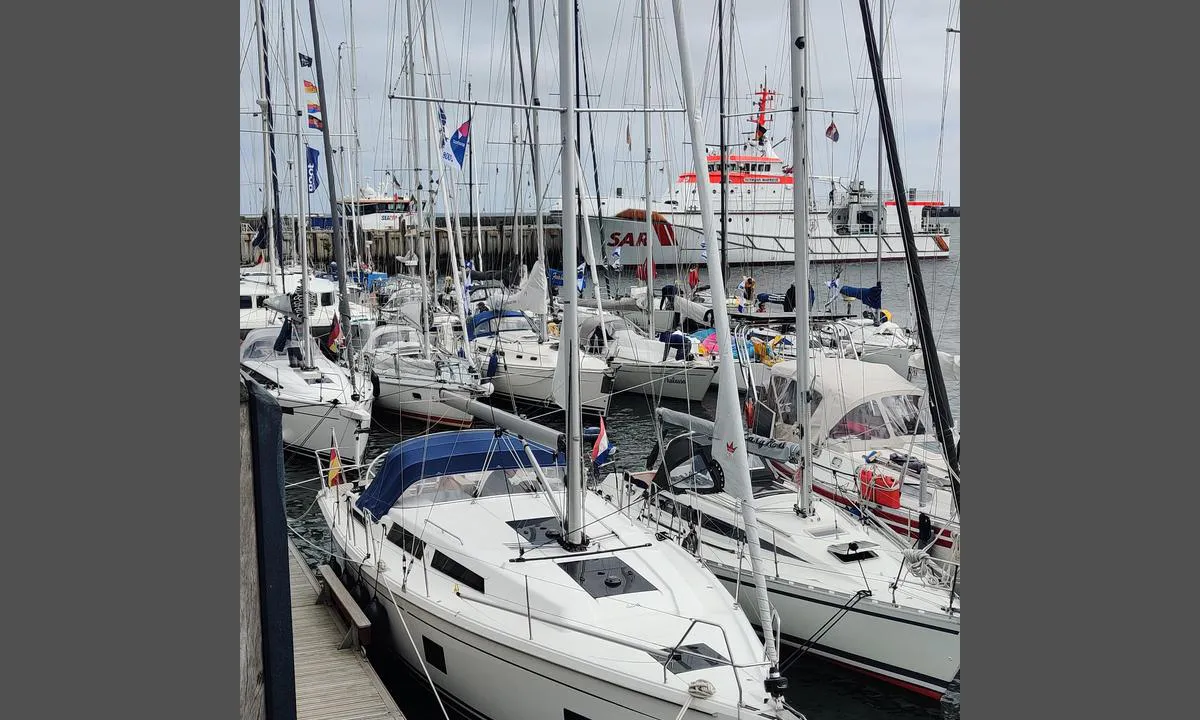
469 43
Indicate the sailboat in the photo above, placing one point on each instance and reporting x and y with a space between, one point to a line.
845 587
320 399
861 411
519 594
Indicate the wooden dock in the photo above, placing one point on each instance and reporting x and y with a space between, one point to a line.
331 683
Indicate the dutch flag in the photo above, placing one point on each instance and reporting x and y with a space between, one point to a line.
601 447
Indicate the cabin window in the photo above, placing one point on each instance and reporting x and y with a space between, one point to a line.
247 302
692 474
326 299
434 654
261 350
864 422
905 413
405 540
448 566
261 300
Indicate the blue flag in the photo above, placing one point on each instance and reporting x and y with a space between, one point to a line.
314 181
458 142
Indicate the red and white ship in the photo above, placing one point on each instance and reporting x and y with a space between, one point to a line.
758 187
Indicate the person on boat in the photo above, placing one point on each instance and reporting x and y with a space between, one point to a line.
748 288
667 301
675 339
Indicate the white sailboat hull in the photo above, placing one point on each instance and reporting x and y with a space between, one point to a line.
418 398
680 382
535 385
510 682
526 374
308 428
916 650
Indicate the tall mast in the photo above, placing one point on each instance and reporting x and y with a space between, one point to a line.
355 151
516 134
271 197
724 153
339 252
472 189
446 190
799 21
534 152
568 346
650 239
416 182
301 194
729 435
343 157
939 404
879 174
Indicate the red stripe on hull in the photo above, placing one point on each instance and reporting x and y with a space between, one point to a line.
912 687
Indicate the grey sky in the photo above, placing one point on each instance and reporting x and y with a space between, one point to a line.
469 42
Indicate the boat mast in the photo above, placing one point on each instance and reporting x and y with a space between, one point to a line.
271 198
722 138
939 404
568 345
516 136
355 151
473 189
301 194
446 190
339 252
799 21
650 239
426 317
535 157
728 428
343 158
879 174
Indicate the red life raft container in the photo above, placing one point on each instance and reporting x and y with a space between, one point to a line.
878 487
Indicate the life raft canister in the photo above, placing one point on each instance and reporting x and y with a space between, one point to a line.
878 487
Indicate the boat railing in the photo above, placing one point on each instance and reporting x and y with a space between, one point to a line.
728 650
615 638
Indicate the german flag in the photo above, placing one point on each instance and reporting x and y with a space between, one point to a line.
334 476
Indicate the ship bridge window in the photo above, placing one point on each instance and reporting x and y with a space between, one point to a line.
853 551
863 422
